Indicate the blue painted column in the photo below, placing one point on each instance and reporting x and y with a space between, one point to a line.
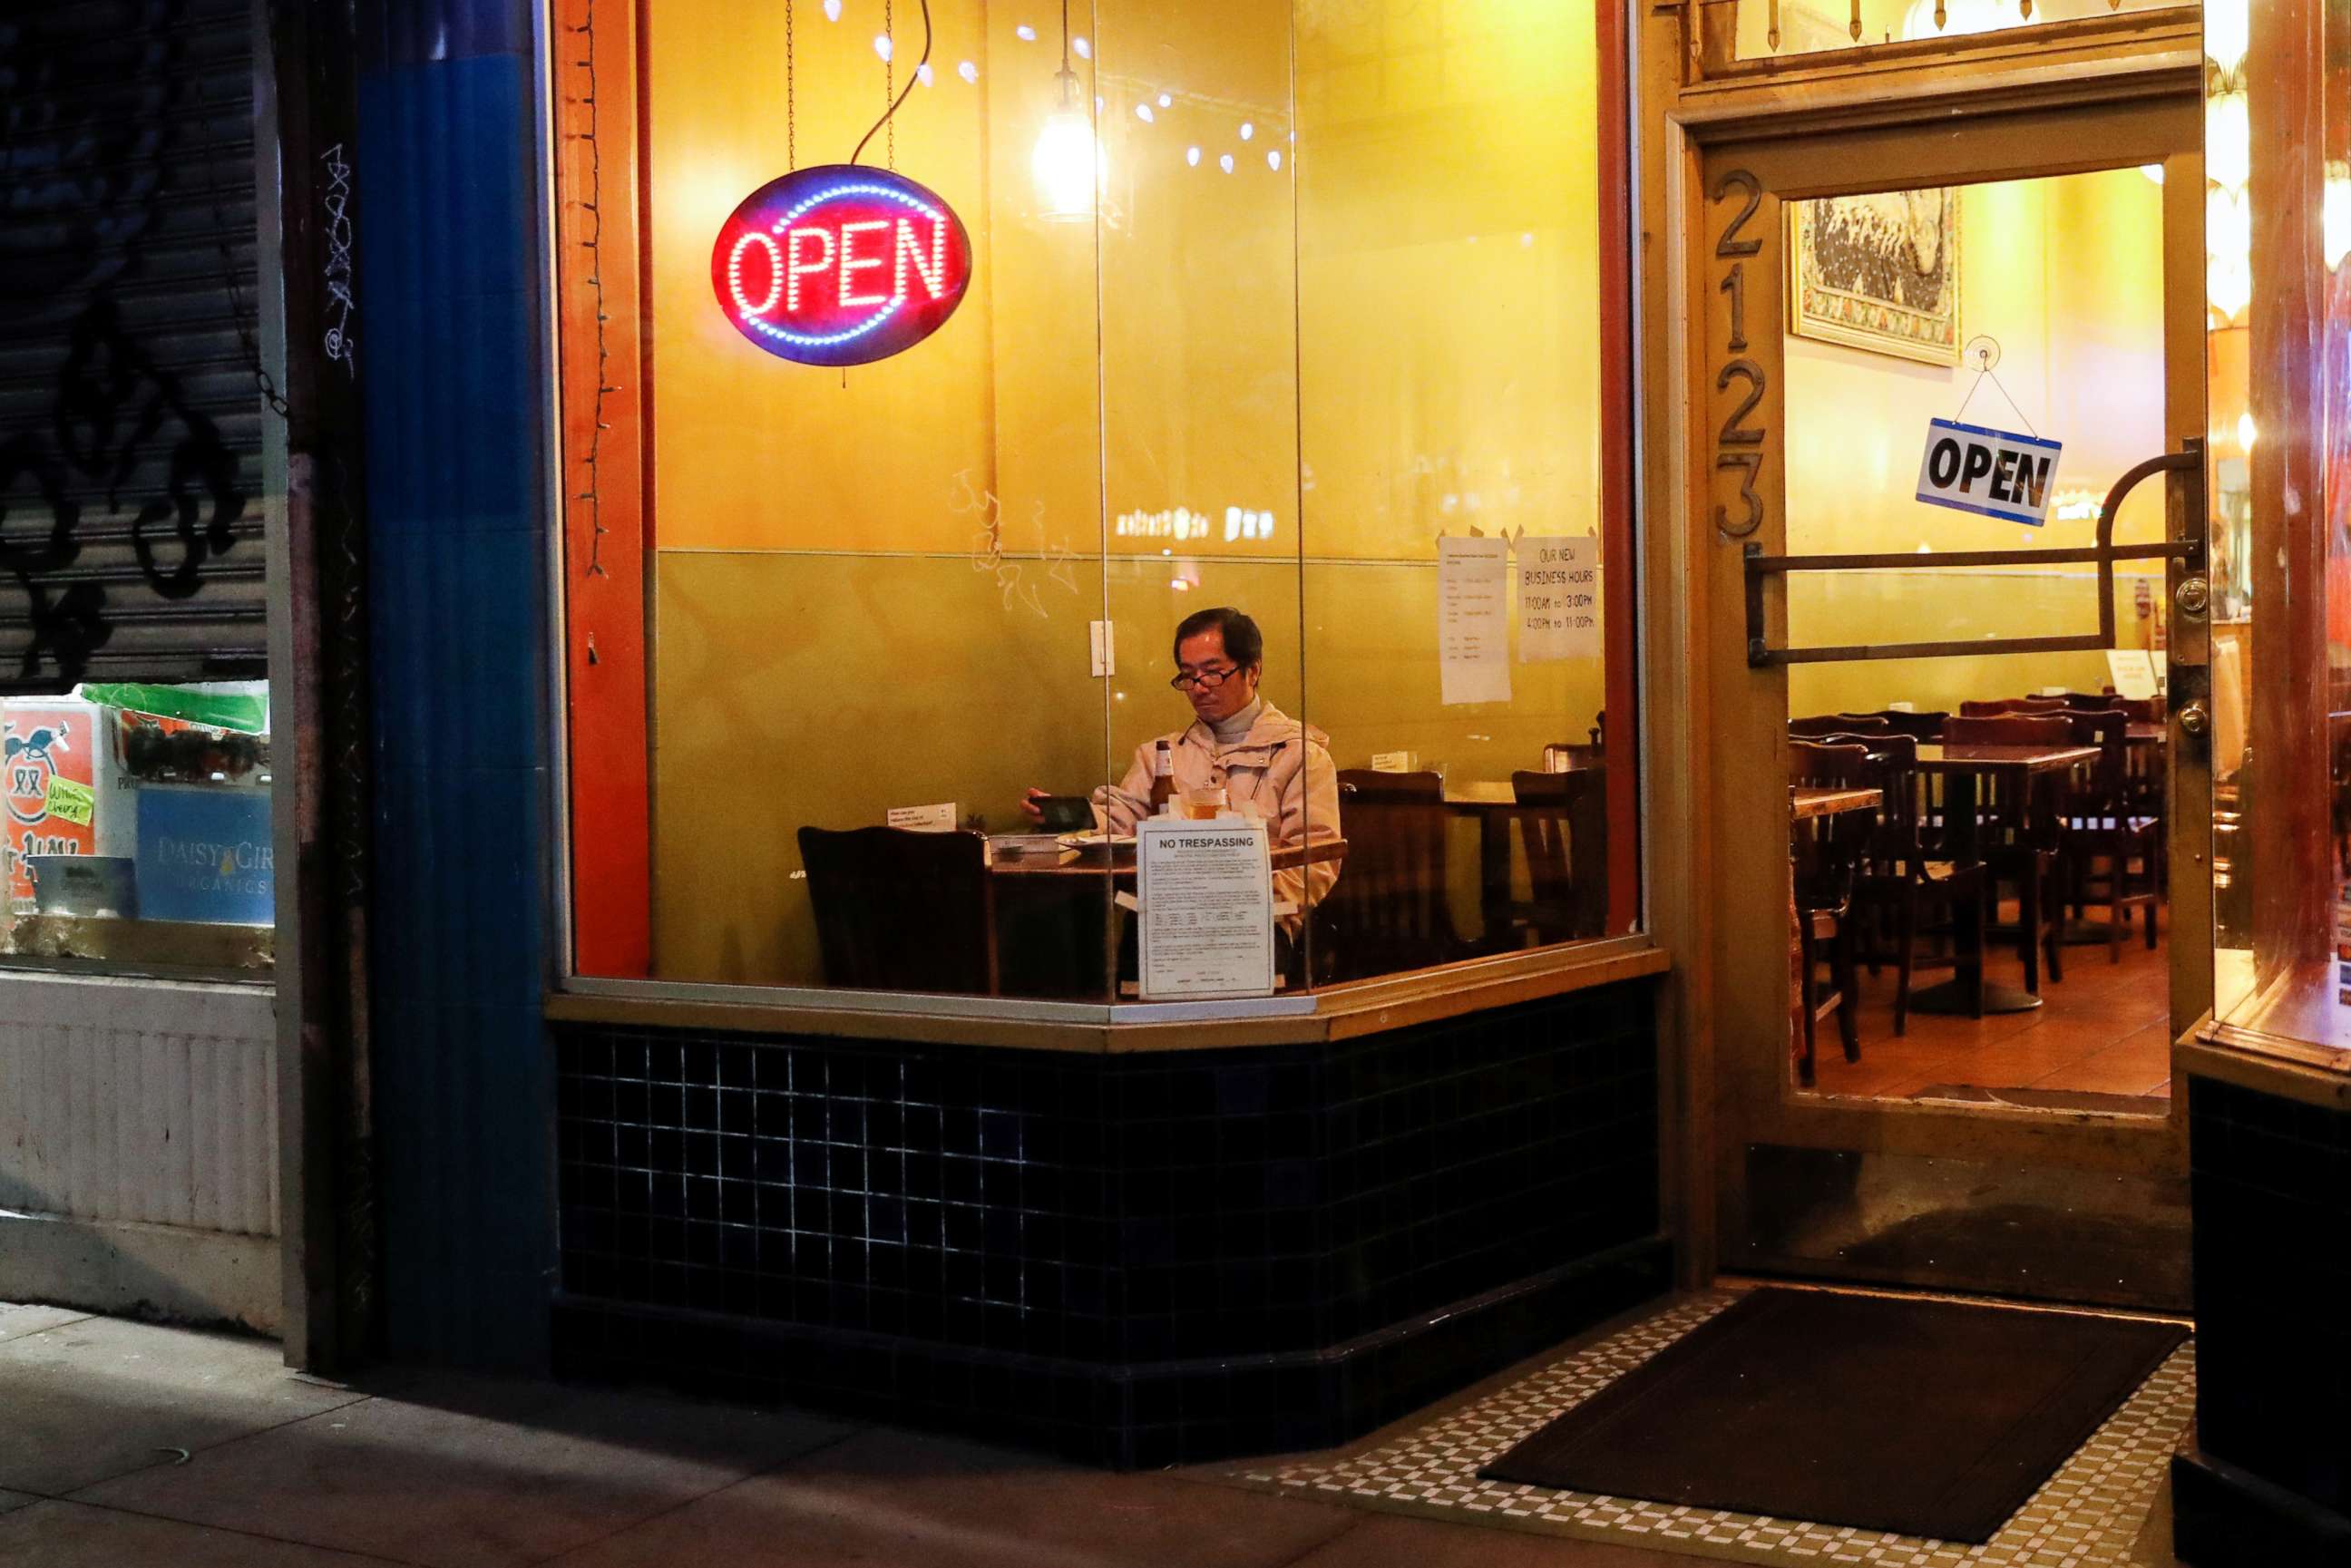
450 329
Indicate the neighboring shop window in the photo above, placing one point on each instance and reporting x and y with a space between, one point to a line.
138 824
891 491
134 734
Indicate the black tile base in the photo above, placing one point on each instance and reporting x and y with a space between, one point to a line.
2270 1186
2222 1517
1134 1416
1128 1257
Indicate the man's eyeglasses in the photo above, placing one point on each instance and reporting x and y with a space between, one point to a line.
1211 679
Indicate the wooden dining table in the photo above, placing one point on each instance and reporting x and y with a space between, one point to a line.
2022 769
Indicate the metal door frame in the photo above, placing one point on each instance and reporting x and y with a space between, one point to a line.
1981 1169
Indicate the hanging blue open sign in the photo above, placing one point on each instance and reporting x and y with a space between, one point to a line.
1992 472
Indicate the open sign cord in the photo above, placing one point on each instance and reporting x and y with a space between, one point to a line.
791 95
895 103
2014 407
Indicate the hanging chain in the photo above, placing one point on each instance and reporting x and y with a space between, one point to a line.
890 83
791 96
246 342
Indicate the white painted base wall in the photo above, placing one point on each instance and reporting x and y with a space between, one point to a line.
139 1147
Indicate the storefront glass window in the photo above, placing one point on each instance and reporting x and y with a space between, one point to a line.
2278 161
904 491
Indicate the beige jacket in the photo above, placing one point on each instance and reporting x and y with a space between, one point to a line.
1280 770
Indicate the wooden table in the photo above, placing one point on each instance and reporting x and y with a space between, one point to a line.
1961 766
1805 802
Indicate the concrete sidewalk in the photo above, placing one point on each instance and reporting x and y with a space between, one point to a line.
125 1444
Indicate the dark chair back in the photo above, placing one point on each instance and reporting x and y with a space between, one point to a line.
2102 789
2083 702
1828 850
902 911
1893 771
1563 827
1388 910
2009 729
2141 710
2012 704
1835 724
1926 725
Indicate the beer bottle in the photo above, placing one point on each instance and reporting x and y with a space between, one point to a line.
1162 778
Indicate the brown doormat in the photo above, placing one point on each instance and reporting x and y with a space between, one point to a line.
1922 1417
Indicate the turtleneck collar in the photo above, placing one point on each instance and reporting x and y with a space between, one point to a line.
1228 731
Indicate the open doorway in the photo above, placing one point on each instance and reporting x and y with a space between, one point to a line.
2018 958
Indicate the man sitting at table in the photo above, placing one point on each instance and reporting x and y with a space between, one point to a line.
1268 764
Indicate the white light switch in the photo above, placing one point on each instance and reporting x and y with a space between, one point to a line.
1105 649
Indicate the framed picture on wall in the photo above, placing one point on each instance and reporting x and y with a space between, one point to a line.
1879 272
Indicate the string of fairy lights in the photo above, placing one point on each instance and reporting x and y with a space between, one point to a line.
592 494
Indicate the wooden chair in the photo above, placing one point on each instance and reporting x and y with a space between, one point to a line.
2100 822
1562 825
1389 909
1828 852
1898 878
1834 724
902 911
1926 725
1578 754
2142 710
2017 833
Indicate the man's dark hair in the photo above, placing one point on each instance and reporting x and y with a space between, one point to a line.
1244 643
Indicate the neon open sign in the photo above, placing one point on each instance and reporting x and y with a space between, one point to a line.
841 266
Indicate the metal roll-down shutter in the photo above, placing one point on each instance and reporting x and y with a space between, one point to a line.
131 402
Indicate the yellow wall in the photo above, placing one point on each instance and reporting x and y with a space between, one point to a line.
2067 275
1393 332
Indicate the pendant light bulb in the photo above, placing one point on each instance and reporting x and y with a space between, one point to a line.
1067 163
1068 166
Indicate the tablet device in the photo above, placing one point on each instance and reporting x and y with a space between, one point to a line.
1066 814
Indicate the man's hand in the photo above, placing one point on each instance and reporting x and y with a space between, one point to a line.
1029 805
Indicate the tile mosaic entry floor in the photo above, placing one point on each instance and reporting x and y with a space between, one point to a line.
2084 1516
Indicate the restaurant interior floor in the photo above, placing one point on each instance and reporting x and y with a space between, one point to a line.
2101 1034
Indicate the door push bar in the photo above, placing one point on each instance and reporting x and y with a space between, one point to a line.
2187 466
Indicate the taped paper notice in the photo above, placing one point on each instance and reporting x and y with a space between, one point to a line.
1206 896
2133 670
1558 599
939 819
1473 631
71 802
